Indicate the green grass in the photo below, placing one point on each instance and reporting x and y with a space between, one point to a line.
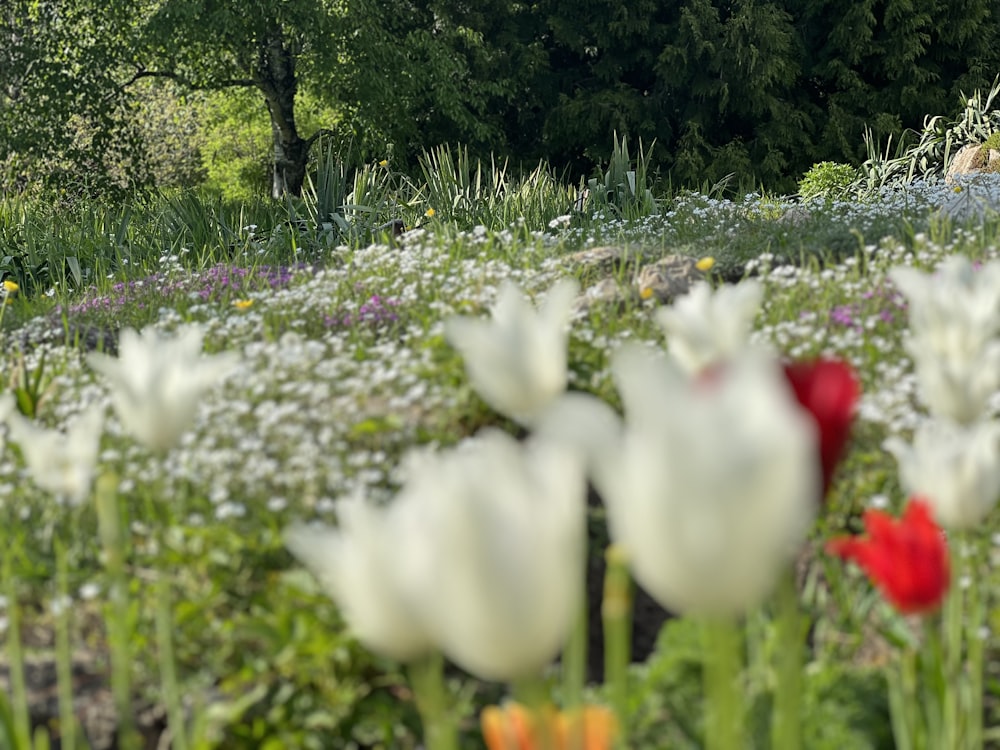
345 367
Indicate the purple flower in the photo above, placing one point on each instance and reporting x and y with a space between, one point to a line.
843 315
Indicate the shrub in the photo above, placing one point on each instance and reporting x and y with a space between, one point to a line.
828 180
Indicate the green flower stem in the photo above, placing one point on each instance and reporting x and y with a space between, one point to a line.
532 693
977 621
64 658
961 681
786 718
15 654
168 668
725 711
933 686
951 678
904 703
616 612
427 679
110 524
574 657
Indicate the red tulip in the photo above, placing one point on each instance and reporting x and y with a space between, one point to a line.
829 390
906 559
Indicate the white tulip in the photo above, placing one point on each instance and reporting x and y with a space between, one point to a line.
60 463
955 387
353 563
491 541
717 481
954 292
156 382
956 468
705 327
588 425
517 361
954 336
8 406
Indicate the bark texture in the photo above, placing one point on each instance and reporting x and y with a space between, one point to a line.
274 76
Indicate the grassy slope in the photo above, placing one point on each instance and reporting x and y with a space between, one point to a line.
344 367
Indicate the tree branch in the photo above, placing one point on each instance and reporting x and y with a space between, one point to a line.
317 135
214 86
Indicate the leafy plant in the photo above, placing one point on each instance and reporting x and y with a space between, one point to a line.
624 188
31 388
828 180
937 144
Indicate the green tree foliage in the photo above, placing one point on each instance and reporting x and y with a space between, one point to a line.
63 116
761 89
428 72
711 82
885 64
266 46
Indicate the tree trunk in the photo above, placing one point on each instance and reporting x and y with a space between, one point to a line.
290 158
276 79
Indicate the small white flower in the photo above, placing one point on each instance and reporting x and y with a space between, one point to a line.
492 551
705 327
717 482
956 468
354 563
61 463
156 382
89 591
517 361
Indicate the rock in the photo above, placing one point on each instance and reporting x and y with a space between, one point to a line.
617 277
668 278
601 262
973 202
972 160
605 292
795 216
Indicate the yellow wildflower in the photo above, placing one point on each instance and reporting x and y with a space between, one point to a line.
242 304
705 264
384 163
10 286
429 213
646 292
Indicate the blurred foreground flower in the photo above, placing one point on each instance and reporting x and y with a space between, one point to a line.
354 564
707 326
956 468
829 391
156 382
906 559
515 727
60 463
715 484
492 542
517 361
481 554
954 334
